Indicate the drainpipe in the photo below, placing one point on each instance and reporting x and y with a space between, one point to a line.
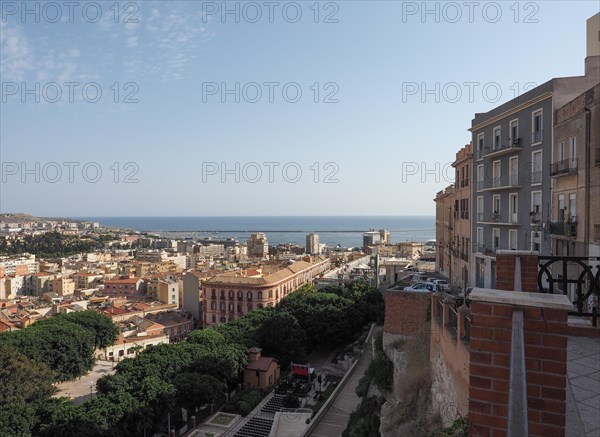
588 154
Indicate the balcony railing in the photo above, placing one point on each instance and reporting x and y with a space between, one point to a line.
564 167
537 137
536 177
566 229
510 146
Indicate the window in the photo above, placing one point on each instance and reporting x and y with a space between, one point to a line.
514 133
536 167
480 146
240 295
249 296
466 181
214 318
537 126
496 173
573 206
259 296
213 305
561 151
512 239
480 238
214 294
230 294
496 208
513 170
497 138
573 149
561 207
479 209
480 176
222 294
496 238
536 203
239 307
514 207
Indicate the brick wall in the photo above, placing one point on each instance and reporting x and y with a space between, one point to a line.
505 270
405 312
545 335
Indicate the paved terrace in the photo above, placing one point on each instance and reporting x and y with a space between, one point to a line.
583 387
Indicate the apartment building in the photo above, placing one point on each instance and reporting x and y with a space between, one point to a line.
513 146
444 230
258 246
313 244
232 294
574 225
124 286
62 286
461 243
20 265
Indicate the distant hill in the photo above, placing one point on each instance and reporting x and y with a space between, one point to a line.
20 217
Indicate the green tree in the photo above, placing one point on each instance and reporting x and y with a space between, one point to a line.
195 389
23 379
103 327
282 337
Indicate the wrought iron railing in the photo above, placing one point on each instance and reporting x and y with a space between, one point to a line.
556 273
566 166
563 228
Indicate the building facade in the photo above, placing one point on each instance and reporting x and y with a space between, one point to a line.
461 245
258 245
230 295
313 244
444 231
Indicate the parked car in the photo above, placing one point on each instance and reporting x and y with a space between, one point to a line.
415 277
444 285
423 286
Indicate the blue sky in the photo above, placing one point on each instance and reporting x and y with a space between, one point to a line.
178 139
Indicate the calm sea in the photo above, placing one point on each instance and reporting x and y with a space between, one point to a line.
346 231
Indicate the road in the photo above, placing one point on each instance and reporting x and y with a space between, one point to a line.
79 390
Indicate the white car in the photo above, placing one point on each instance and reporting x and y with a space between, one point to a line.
423 286
444 285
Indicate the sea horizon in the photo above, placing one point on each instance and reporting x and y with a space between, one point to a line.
345 231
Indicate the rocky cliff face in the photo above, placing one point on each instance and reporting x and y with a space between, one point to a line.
407 410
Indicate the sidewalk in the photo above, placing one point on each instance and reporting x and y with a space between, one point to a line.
336 418
583 387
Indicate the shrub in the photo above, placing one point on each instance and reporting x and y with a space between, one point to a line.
291 401
363 386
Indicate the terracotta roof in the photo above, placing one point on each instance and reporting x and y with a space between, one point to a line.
262 364
123 281
269 278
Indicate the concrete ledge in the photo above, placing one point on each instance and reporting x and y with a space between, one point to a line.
517 252
580 330
521 299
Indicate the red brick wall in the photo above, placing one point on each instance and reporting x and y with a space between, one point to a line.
505 272
545 333
405 312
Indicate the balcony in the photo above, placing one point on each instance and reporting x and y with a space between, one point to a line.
564 167
499 183
498 218
597 160
503 149
537 137
564 229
